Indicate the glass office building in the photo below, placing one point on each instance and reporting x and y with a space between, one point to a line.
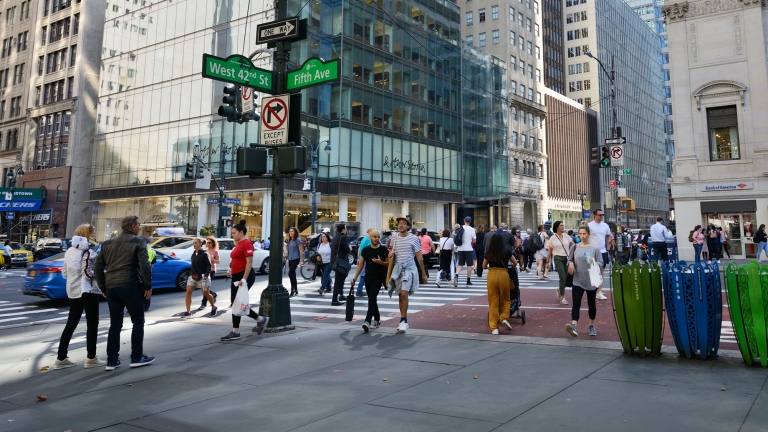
394 120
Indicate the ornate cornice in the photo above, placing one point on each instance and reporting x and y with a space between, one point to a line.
719 88
685 10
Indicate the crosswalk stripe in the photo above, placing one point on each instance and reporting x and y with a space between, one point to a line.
340 316
305 306
15 308
13 319
28 312
380 302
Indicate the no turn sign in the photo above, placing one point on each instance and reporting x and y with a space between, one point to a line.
617 155
274 120
246 95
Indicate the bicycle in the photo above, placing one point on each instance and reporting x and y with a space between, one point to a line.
308 269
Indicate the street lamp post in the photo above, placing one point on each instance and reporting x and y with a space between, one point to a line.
314 148
13 175
614 134
582 195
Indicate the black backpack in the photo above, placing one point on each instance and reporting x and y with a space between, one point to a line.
527 245
536 243
458 236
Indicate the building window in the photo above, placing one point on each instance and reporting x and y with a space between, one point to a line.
538 75
517 166
65 131
538 98
511 14
513 87
18 74
15 107
76 24
63 156
58 193
723 123
514 139
538 30
588 102
525 141
513 63
494 12
512 38
521 43
38 95
586 85
528 24
522 90
538 53
536 7
530 97
667 92
481 15
522 118
668 109
495 37
513 113
70 87
72 55
522 67
21 43
541 146
470 18
43 34
530 71
586 67
530 48
481 39
470 39
520 19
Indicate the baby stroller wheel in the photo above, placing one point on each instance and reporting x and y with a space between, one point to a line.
522 316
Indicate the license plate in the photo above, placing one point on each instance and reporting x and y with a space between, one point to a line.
33 273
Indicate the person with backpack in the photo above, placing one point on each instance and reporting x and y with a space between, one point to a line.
724 243
761 240
713 243
464 238
697 238
540 253
445 250
528 252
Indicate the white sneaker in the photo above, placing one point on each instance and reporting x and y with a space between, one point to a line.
375 324
563 301
506 324
601 296
63 364
402 327
495 332
94 362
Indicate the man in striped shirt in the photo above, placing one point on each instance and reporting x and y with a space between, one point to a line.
406 250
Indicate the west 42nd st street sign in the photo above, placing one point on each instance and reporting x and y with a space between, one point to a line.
238 70
314 71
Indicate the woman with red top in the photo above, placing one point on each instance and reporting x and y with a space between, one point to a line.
427 247
241 270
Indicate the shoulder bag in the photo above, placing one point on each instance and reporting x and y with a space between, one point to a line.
341 265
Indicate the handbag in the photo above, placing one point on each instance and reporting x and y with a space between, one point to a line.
196 277
351 304
342 267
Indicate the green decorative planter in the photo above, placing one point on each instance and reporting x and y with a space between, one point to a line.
747 289
638 307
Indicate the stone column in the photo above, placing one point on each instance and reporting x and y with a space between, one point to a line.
266 213
370 214
404 208
343 208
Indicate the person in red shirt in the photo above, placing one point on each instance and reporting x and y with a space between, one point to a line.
241 270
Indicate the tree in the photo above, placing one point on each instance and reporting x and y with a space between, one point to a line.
208 230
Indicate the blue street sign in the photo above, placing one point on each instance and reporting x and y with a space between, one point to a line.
10 215
212 201
585 214
226 201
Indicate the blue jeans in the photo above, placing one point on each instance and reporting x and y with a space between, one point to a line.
697 252
762 246
326 280
362 284
118 299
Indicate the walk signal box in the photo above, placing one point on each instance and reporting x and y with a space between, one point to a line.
627 205
291 160
252 161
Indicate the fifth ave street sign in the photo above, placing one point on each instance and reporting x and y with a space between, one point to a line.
277 30
314 71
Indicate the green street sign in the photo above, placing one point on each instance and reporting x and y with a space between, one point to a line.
238 70
314 71
626 172
23 193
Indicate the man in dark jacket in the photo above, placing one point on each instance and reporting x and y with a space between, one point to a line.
339 249
123 271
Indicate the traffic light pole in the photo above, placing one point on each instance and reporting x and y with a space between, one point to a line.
275 298
220 229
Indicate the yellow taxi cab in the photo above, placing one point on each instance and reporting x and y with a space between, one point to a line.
168 241
19 256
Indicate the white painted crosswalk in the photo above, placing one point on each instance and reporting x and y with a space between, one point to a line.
18 313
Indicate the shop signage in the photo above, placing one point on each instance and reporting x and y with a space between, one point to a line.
21 205
313 72
23 193
23 199
409 165
587 205
585 214
727 186
42 217
238 70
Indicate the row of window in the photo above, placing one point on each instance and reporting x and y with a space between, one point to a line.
587 102
56 60
51 156
54 91
521 19
578 68
11 139
523 93
577 34
53 125
21 44
578 50
579 85
526 119
569 3
529 169
15 108
528 142
576 17
18 76
513 67
56 5
60 29
10 13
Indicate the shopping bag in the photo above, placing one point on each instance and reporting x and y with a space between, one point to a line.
242 304
595 275
351 304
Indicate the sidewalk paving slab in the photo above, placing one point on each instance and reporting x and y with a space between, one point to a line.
757 421
301 399
519 379
449 351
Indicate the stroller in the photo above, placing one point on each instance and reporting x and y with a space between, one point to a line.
514 295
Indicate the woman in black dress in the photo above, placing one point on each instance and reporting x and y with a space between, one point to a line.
480 249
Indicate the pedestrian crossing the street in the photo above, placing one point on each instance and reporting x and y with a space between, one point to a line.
12 314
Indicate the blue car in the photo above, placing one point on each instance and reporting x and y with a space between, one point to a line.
44 277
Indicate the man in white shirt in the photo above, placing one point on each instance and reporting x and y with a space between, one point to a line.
599 232
659 238
465 251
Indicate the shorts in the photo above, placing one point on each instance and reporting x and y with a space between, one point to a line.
466 258
200 284
542 254
606 259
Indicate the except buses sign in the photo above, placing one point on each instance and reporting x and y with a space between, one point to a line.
238 70
314 71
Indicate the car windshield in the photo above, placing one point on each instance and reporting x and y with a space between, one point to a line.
185 245
16 246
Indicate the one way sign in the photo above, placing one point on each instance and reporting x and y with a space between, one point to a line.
277 30
274 120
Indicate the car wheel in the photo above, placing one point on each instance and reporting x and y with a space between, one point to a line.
351 259
264 269
181 280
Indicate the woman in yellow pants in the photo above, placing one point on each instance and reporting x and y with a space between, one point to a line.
499 303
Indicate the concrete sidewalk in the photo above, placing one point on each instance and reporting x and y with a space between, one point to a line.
323 378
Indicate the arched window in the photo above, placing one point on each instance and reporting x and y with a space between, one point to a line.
58 193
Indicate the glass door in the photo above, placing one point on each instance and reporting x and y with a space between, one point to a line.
731 224
749 227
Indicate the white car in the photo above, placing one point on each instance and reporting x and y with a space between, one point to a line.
184 251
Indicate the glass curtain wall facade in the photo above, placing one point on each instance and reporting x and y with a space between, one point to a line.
552 21
621 33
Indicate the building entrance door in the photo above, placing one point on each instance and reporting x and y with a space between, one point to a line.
739 229
749 227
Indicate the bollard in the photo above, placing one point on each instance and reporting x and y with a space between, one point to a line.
694 305
747 290
638 307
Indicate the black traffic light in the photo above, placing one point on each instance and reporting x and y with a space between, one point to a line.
605 160
291 160
199 171
190 172
595 159
231 101
251 161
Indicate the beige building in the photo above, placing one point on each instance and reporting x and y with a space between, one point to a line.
17 31
511 30
717 52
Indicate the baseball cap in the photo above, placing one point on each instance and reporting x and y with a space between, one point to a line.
548 223
326 230
467 219
529 231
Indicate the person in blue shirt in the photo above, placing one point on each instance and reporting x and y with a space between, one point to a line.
365 242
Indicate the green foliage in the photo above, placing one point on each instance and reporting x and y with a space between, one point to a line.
392 223
208 230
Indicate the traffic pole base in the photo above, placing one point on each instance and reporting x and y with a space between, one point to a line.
278 329
276 305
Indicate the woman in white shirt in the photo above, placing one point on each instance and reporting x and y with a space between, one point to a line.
324 249
445 256
559 249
